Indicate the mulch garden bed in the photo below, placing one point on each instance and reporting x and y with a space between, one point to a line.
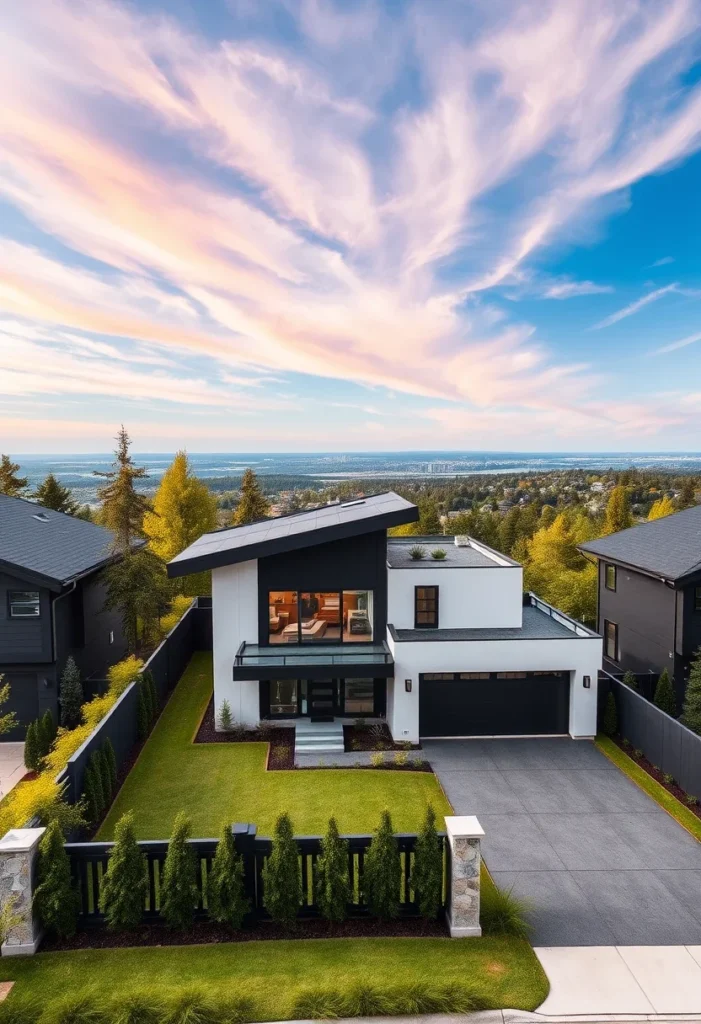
205 932
374 736
658 775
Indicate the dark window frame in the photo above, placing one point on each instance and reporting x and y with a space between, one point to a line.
697 599
11 599
610 567
615 657
426 625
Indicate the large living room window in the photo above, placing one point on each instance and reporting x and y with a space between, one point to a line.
611 640
425 607
314 616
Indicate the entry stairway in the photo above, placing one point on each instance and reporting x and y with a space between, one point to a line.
318 737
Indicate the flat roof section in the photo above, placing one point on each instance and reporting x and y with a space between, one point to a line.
537 625
457 556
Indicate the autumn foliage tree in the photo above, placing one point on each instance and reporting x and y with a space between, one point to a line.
618 514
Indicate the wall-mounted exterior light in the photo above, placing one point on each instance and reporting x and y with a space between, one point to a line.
586 682
407 685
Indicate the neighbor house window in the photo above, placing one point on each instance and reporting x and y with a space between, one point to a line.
425 607
610 577
611 640
697 599
359 696
24 604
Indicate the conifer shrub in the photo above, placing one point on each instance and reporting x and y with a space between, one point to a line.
226 898
427 876
149 688
332 888
382 872
226 719
32 754
125 884
179 891
47 732
610 723
111 762
142 715
282 883
102 798
105 775
56 900
691 715
665 698
630 680
71 694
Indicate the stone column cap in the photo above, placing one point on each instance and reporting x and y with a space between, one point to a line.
20 840
464 826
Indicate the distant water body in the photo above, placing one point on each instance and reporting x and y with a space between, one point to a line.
77 471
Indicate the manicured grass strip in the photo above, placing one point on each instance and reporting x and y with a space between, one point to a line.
216 783
501 972
651 786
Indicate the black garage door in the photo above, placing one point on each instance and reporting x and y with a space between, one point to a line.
24 701
494 703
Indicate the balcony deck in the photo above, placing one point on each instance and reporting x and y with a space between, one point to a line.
313 661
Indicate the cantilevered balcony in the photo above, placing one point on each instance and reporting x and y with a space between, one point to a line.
313 661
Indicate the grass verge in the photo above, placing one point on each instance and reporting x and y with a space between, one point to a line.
659 794
276 976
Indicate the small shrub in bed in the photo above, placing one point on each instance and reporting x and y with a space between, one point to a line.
427 876
47 732
502 913
56 900
226 719
401 758
630 680
179 891
610 722
226 899
390 1001
20 1010
125 884
137 1007
282 885
439 554
32 754
382 872
377 759
332 879
668 779
76 1008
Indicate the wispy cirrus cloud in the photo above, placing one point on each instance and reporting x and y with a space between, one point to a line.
225 197
674 346
634 307
663 262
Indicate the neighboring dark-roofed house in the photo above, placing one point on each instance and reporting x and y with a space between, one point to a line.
650 595
52 598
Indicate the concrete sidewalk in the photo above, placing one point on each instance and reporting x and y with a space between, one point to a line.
11 766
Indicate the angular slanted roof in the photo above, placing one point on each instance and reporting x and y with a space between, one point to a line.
294 531
669 547
52 547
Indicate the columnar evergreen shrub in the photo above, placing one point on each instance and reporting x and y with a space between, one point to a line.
92 792
102 797
111 761
105 777
691 716
47 732
282 884
56 900
226 719
124 886
427 876
71 694
630 680
665 698
32 754
179 892
226 899
332 880
142 716
146 682
382 872
610 723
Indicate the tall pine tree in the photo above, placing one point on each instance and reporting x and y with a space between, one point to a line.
253 504
123 508
52 494
10 482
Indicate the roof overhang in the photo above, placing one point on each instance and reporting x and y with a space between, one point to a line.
197 557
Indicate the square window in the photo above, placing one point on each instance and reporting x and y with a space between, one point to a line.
610 577
24 604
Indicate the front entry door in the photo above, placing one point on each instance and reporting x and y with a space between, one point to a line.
323 698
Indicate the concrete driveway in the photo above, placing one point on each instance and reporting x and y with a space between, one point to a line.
11 766
600 863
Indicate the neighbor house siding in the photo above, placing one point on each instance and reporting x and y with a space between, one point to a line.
644 610
23 641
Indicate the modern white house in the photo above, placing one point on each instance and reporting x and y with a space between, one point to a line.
320 615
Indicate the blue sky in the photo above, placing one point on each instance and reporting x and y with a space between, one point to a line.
318 225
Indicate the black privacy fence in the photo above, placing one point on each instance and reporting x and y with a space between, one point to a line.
664 741
167 663
89 864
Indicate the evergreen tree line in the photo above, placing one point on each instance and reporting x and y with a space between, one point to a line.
665 699
124 885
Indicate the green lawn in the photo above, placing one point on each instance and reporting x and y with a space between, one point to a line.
501 972
218 783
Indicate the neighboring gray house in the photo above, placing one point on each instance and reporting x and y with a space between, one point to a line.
649 602
51 604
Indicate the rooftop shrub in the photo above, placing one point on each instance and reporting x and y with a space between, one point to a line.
417 552
439 554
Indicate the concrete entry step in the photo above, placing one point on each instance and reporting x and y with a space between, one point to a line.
318 737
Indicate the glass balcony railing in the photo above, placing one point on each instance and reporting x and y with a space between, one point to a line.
253 655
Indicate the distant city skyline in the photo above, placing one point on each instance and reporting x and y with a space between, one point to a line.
307 225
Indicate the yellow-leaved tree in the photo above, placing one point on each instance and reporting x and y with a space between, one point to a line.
661 508
618 515
183 509
556 571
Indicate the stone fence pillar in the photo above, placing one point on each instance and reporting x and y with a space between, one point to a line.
464 834
18 853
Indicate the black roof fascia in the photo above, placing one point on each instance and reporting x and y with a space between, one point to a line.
281 545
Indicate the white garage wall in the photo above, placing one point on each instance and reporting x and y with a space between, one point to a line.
580 656
235 619
468 598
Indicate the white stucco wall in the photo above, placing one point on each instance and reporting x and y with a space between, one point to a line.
468 598
580 656
234 619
